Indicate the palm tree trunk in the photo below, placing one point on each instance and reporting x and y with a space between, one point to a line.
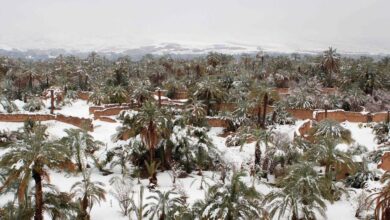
162 216
265 102
84 205
259 115
208 106
327 169
294 216
51 101
30 81
38 195
257 154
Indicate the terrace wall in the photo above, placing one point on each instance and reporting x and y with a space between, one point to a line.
83 95
78 122
380 116
109 111
301 114
180 94
217 122
385 162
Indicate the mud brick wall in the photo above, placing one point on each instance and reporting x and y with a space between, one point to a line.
301 113
385 162
225 107
24 117
181 94
341 115
92 109
78 122
334 115
83 95
380 116
107 119
343 171
216 122
110 111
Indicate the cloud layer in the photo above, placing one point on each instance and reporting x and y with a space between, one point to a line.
283 25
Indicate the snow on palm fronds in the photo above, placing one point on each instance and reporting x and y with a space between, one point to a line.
81 145
300 196
98 96
34 104
163 204
331 129
6 105
234 200
190 141
382 132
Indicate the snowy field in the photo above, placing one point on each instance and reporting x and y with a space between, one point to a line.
103 131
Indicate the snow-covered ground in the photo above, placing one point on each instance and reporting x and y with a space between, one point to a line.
103 131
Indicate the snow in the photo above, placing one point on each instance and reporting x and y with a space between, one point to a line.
79 108
363 136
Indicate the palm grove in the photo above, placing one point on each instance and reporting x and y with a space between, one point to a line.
164 138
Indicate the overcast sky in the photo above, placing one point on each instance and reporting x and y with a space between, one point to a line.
349 25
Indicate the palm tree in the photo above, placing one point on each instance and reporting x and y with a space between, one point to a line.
331 129
28 159
97 97
235 200
11 211
118 94
261 94
162 204
80 145
300 197
259 136
331 63
381 131
381 199
325 152
60 205
87 192
150 123
209 91
195 113
141 91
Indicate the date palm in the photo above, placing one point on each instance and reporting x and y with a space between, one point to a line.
261 94
300 196
331 63
118 94
88 193
81 145
97 97
195 113
331 129
30 158
209 91
150 123
235 200
381 199
162 204
324 151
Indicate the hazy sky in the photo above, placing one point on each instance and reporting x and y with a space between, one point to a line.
349 25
